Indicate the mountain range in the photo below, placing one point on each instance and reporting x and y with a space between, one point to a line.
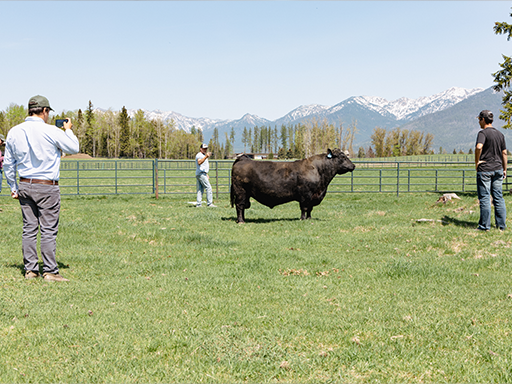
450 116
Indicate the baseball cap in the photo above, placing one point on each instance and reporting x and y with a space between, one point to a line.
204 146
39 101
486 114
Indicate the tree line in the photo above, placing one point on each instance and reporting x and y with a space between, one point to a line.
398 142
112 134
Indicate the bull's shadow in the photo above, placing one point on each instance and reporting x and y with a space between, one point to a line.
263 221
21 267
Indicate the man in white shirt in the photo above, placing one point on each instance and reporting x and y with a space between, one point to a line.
203 183
34 149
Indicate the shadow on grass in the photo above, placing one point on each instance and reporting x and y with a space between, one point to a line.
21 267
462 194
447 220
260 220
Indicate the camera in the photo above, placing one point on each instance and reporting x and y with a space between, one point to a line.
60 122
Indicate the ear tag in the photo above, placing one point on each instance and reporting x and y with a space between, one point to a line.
329 155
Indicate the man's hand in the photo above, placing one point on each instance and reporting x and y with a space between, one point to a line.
68 124
15 195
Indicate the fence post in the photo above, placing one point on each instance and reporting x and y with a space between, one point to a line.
397 179
217 179
78 177
116 176
155 178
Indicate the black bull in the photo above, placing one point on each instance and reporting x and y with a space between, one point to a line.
275 183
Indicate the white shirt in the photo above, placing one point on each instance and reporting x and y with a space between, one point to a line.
204 167
34 149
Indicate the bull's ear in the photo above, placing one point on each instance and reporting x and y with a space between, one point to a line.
329 154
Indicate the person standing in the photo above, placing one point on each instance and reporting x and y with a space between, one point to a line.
491 169
2 141
203 182
33 149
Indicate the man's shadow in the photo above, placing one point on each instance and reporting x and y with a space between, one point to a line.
21 267
447 220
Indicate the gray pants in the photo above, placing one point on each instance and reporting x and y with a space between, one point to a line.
40 207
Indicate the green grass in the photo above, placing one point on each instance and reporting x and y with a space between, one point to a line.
164 292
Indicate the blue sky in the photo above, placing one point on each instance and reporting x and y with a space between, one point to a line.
224 59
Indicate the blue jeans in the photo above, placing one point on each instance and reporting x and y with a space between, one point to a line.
490 184
202 184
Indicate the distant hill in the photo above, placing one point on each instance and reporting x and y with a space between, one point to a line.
457 127
450 116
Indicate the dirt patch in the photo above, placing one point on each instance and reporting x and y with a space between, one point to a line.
78 156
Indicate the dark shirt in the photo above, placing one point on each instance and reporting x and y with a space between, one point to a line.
493 145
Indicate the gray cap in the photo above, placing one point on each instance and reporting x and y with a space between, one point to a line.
39 101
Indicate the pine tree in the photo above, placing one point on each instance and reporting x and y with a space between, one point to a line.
124 142
504 75
89 146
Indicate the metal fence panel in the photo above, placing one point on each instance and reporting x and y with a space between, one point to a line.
152 176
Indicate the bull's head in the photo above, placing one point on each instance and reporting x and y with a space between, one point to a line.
341 161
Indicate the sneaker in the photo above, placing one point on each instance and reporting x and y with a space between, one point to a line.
213 206
53 277
31 275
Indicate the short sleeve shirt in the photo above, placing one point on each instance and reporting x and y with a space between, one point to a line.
493 145
204 167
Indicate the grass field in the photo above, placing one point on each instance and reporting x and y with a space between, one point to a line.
161 291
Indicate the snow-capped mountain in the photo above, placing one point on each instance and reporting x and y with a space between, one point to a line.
407 109
400 110
301 112
180 121
367 112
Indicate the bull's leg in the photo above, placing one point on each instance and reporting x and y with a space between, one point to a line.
305 212
240 212
241 206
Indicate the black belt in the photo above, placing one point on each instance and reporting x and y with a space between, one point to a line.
38 181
